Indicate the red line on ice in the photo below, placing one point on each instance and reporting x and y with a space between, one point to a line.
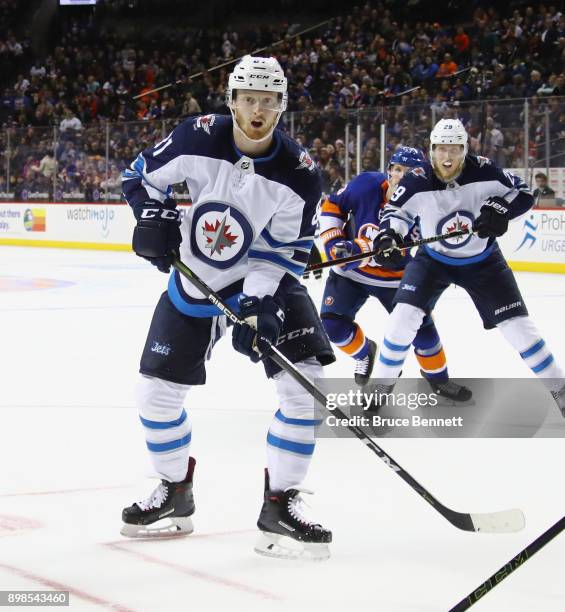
217 580
62 491
59 586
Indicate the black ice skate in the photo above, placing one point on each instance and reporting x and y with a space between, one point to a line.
165 513
450 392
364 367
559 397
379 397
285 532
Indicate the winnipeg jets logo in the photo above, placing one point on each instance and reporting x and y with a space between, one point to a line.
483 161
460 220
205 122
458 225
218 236
306 162
419 172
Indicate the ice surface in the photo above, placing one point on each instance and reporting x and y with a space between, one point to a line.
72 455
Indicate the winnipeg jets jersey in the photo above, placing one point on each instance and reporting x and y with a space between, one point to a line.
359 205
444 207
252 221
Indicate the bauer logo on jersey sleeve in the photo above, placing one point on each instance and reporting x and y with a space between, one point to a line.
456 221
220 235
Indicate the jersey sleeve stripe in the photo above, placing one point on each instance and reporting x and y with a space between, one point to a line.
330 208
301 243
275 258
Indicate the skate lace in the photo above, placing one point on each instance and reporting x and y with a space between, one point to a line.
449 387
297 506
362 365
156 499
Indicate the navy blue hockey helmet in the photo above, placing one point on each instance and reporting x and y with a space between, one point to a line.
407 156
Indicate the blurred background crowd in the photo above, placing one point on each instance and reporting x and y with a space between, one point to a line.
70 122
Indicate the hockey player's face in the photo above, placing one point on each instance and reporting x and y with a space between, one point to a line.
396 173
256 112
447 160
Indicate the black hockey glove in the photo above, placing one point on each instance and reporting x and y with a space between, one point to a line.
263 321
157 236
494 217
387 242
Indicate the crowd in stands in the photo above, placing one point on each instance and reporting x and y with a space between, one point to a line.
365 67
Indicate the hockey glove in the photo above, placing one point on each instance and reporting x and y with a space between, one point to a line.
493 219
389 255
263 321
157 236
348 248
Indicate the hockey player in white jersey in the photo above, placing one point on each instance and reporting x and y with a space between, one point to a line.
458 191
248 235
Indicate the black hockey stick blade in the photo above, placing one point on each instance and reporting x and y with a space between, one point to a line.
497 522
509 567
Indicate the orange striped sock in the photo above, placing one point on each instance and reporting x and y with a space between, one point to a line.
356 345
433 365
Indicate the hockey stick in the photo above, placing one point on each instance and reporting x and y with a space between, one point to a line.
496 522
401 247
509 567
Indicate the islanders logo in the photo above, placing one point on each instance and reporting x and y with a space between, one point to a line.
454 222
34 220
220 234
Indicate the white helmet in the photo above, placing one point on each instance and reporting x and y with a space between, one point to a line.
449 131
258 73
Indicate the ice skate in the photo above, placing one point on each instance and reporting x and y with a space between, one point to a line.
165 513
449 392
364 367
559 397
380 396
285 532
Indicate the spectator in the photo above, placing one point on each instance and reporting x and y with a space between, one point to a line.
543 193
71 122
447 67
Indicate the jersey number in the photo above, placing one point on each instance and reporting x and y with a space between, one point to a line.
398 193
161 146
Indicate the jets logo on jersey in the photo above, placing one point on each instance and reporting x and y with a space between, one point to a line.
220 234
419 172
306 162
205 123
454 222
483 161
217 236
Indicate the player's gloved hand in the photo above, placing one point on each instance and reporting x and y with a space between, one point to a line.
157 236
348 248
493 218
387 242
263 321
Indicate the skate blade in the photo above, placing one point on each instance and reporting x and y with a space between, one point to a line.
283 547
171 527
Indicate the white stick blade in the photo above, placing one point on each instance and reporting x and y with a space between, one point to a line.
507 521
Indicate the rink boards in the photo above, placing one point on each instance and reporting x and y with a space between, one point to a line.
534 242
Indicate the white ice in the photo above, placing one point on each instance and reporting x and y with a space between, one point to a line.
72 455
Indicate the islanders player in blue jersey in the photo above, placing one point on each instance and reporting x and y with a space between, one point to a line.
458 191
356 210
248 235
